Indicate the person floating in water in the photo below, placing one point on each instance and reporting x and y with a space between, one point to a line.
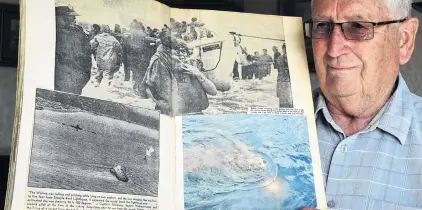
148 154
120 173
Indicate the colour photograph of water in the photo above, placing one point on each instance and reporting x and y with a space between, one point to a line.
243 161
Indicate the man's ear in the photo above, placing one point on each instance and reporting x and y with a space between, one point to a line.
408 31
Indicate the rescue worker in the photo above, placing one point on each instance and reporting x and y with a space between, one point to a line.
108 55
137 59
73 56
120 36
176 88
264 63
284 90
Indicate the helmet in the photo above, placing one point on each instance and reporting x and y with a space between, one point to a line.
66 11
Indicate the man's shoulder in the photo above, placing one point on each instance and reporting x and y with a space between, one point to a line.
417 103
413 103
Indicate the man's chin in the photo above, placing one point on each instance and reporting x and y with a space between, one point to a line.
342 94
336 92
342 85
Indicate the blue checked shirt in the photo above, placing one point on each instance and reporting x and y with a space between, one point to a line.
380 167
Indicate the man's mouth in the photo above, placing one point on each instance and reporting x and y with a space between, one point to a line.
340 68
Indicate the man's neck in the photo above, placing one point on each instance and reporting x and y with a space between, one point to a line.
350 123
358 115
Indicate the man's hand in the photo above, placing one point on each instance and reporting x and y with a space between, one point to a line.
208 86
189 69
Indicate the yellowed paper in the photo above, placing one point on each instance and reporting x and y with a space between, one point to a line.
206 165
37 67
222 40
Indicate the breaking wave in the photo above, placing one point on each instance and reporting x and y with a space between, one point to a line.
227 166
234 167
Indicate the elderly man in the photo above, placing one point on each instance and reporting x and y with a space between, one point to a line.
369 123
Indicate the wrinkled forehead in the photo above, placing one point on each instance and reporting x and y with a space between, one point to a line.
349 10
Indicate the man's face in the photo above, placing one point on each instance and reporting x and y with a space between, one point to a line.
264 52
66 20
358 70
71 20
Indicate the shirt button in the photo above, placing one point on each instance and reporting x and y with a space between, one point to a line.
331 204
344 148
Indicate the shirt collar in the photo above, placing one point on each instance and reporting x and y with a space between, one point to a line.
321 106
394 118
399 112
319 100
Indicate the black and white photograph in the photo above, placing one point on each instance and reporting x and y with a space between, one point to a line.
192 62
103 47
85 144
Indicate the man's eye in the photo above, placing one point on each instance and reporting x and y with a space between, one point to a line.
321 25
357 25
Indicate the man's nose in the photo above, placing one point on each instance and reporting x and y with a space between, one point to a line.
337 43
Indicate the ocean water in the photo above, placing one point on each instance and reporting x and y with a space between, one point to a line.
247 162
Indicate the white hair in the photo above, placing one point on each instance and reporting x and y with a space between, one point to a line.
397 8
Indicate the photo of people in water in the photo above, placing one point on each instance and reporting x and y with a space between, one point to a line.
192 62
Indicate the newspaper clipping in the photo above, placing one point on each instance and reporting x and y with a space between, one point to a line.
49 199
251 145
110 43
131 102
190 63
91 145
243 161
